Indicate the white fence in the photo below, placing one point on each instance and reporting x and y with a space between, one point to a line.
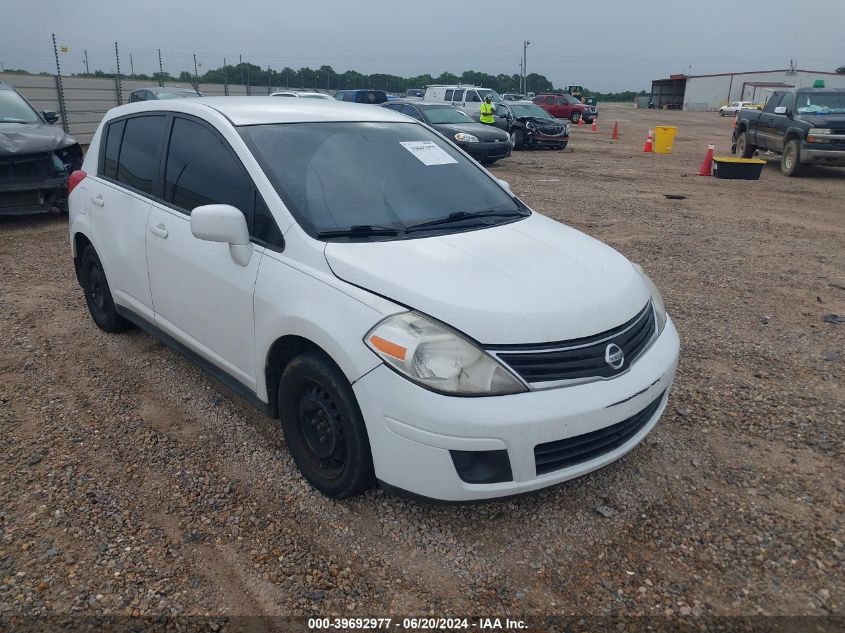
83 101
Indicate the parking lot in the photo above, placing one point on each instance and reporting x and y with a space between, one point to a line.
131 483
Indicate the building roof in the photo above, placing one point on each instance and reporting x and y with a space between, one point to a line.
749 72
261 110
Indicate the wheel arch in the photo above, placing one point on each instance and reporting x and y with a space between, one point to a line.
77 245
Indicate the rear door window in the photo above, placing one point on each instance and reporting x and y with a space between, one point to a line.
550 100
201 170
140 152
458 96
448 96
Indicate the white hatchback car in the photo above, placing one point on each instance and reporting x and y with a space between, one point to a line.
352 272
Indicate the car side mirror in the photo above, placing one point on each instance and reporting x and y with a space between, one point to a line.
50 116
225 224
780 110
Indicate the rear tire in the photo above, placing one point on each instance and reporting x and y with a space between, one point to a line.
743 149
790 161
97 293
324 428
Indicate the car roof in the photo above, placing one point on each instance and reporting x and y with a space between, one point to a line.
262 110
417 102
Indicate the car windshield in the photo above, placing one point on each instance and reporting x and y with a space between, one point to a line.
482 93
821 102
336 176
446 114
529 109
13 109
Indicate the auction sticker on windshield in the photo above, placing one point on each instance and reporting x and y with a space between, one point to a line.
428 152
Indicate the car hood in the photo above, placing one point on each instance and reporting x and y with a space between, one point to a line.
32 138
836 121
482 132
540 121
531 281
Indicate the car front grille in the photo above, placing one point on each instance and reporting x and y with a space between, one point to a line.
551 130
584 358
575 450
24 170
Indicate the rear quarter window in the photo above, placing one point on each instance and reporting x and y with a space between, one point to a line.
111 152
140 152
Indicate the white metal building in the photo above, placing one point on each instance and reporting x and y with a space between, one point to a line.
707 92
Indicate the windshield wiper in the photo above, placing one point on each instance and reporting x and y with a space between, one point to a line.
360 230
460 216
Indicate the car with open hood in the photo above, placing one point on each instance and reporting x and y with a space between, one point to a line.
36 157
485 143
406 317
530 126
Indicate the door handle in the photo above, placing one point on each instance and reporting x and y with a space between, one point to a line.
160 230
98 200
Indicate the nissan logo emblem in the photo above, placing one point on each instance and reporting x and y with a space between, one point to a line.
614 356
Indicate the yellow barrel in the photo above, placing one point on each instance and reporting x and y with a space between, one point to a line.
664 136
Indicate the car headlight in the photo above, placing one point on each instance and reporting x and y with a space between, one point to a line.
439 358
466 138
656 300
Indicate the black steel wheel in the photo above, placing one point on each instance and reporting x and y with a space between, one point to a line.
97 293
324 428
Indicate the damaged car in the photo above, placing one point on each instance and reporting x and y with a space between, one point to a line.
36 159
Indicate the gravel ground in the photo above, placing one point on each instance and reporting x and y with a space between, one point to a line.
132 484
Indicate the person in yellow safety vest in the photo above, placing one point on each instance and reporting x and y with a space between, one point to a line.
487 110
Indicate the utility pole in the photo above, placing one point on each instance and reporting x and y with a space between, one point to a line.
525 45
269 88
87 72
160 70
196 74
225 79
131 66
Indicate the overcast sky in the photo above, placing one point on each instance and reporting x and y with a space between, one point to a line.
607 45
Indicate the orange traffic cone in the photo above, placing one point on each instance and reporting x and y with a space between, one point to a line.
595 127
733 127
615 136
706 168
580 120
648 148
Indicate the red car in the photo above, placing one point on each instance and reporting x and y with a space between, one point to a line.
566 107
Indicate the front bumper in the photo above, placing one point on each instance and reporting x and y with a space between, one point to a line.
41 197
412 430
812 155
535 138
487 150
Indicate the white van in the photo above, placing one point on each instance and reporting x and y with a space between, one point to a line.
467 98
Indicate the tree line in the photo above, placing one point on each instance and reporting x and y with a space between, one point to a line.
325 78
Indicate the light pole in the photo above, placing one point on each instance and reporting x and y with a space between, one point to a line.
525 46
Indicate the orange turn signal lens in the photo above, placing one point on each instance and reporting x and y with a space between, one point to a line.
391 349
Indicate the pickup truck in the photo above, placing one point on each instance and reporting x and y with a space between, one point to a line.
806 126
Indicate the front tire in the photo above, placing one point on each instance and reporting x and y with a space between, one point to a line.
324 428
790 161
743 148
518 139
98 294
574 117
